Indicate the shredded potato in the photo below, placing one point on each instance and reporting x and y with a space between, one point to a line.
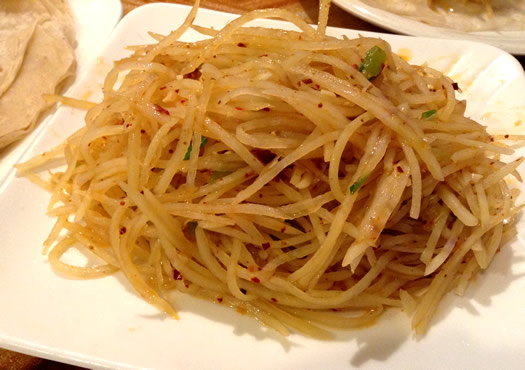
262 169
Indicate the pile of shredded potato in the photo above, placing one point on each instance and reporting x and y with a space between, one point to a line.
310 181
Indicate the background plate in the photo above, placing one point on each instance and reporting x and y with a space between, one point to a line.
103 323
511 41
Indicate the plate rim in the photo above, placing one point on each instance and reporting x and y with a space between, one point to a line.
407 26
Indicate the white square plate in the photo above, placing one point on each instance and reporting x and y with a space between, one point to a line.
103 323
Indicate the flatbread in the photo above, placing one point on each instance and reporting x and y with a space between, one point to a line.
15 33
45 33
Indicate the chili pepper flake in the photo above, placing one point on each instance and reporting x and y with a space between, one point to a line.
177 275
161 110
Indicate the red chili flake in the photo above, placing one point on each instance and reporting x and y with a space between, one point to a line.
266 109
195 75
219 299
320 105
142 131
162 88
122 230
283 229
264 55
455 86
399 169
219 102
355 66
317 86
170 151
307 81
491 139
255 279
273 300
299 83
142 192
177 275
122 203
128 125
248 174
266 245
506 136
241 45
161 110
177 91
239 108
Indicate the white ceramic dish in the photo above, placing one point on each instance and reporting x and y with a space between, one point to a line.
103 323
511 41
94 22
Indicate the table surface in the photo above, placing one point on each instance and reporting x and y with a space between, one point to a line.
306 9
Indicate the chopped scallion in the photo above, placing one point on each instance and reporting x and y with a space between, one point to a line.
356 185
372 65
428 114
204 140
